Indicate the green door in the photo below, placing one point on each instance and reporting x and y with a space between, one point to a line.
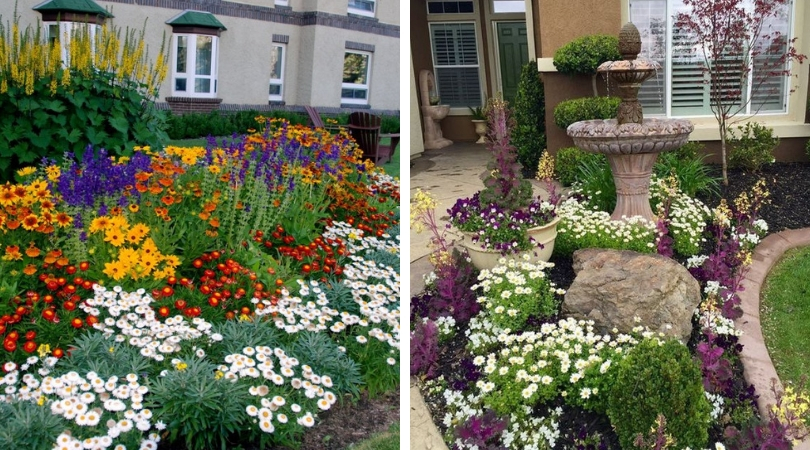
513 48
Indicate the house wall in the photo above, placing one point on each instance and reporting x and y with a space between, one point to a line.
318 31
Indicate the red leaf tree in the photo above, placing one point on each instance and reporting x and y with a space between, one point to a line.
734 37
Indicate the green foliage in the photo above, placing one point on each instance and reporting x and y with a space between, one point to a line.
390 124
567 163
583 55
519 292
478 113
238 334
693 174
384 258
218 123
660 379
322 354
807 149
586 108
597 181
752 146
373 357
529 134
27 425
103 355
197 407
93 110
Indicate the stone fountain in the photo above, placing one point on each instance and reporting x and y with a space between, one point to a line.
630 142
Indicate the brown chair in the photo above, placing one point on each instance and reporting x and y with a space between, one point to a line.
317 122
365 129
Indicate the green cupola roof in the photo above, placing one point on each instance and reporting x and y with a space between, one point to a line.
196 19
75 6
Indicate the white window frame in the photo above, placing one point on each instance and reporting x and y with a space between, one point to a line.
66 30
459 110
357 86
279 81
363 12
671 10
282 2
191 63
510 3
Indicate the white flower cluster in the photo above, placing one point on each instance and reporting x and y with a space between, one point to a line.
446 325
761 227
688 216
716 400
272 364
581 222
358 243
533 433
111 406
132 320
696 261
715 321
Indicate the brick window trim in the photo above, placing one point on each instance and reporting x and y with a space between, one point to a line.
185 105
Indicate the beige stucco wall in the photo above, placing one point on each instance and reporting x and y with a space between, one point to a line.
416 141
560 22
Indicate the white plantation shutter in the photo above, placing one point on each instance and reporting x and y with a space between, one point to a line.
689 93
455 60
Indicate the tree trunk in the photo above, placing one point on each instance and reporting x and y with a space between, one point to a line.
723 150
593 84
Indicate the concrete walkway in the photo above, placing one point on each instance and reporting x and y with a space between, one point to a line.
456 171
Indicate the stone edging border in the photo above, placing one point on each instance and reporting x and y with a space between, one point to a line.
758 367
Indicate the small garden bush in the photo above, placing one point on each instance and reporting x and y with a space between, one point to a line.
567 162
583 55
529 134
658 379
688 166
47 109
585 108
752 146
220 123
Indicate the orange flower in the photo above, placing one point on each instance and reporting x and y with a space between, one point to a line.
204 215
166 182
140 187
142 176
214 222
20 191
133 208
46 204
167 200
30 222
63 219
276 203
32 251
211 233
12 253
155 189
30 269
115 211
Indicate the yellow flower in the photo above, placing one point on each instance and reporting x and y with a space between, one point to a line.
181 366
114 270
114 237
25 171
53 172
99 224
43 350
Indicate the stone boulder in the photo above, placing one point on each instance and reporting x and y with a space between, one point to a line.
614 287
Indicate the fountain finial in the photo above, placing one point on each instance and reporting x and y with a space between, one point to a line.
629 42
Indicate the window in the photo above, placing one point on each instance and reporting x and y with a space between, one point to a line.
362 7
681 88
455 61
65 31
442 7
282 2
508 6
194 68
356 67
277 52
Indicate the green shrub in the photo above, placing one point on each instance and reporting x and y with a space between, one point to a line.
597 181
221 123
693 174
567 162
47 109
807 149
583 55
529 134
660 379
751 147
27 425
390 124
586 108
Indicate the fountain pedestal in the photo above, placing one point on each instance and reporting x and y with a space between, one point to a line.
631 174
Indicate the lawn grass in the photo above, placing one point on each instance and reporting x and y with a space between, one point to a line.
785 313
391 168
388 440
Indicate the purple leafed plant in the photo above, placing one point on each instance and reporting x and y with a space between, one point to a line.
466 375
425 349
455 298
481 431
717 373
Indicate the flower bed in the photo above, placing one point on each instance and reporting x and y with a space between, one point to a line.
208 297
504 379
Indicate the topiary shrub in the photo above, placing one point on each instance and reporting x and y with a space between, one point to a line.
658 379
529 134
567 162
583 55
586 108
752 146
101 99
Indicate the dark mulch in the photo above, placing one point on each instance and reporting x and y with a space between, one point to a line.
789 187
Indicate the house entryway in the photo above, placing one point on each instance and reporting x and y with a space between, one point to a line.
513 53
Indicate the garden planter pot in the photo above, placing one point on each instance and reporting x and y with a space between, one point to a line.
545 235
481 129
487 259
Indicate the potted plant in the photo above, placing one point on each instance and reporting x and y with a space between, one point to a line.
479 119
497 220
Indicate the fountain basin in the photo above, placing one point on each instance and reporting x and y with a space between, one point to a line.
611 138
